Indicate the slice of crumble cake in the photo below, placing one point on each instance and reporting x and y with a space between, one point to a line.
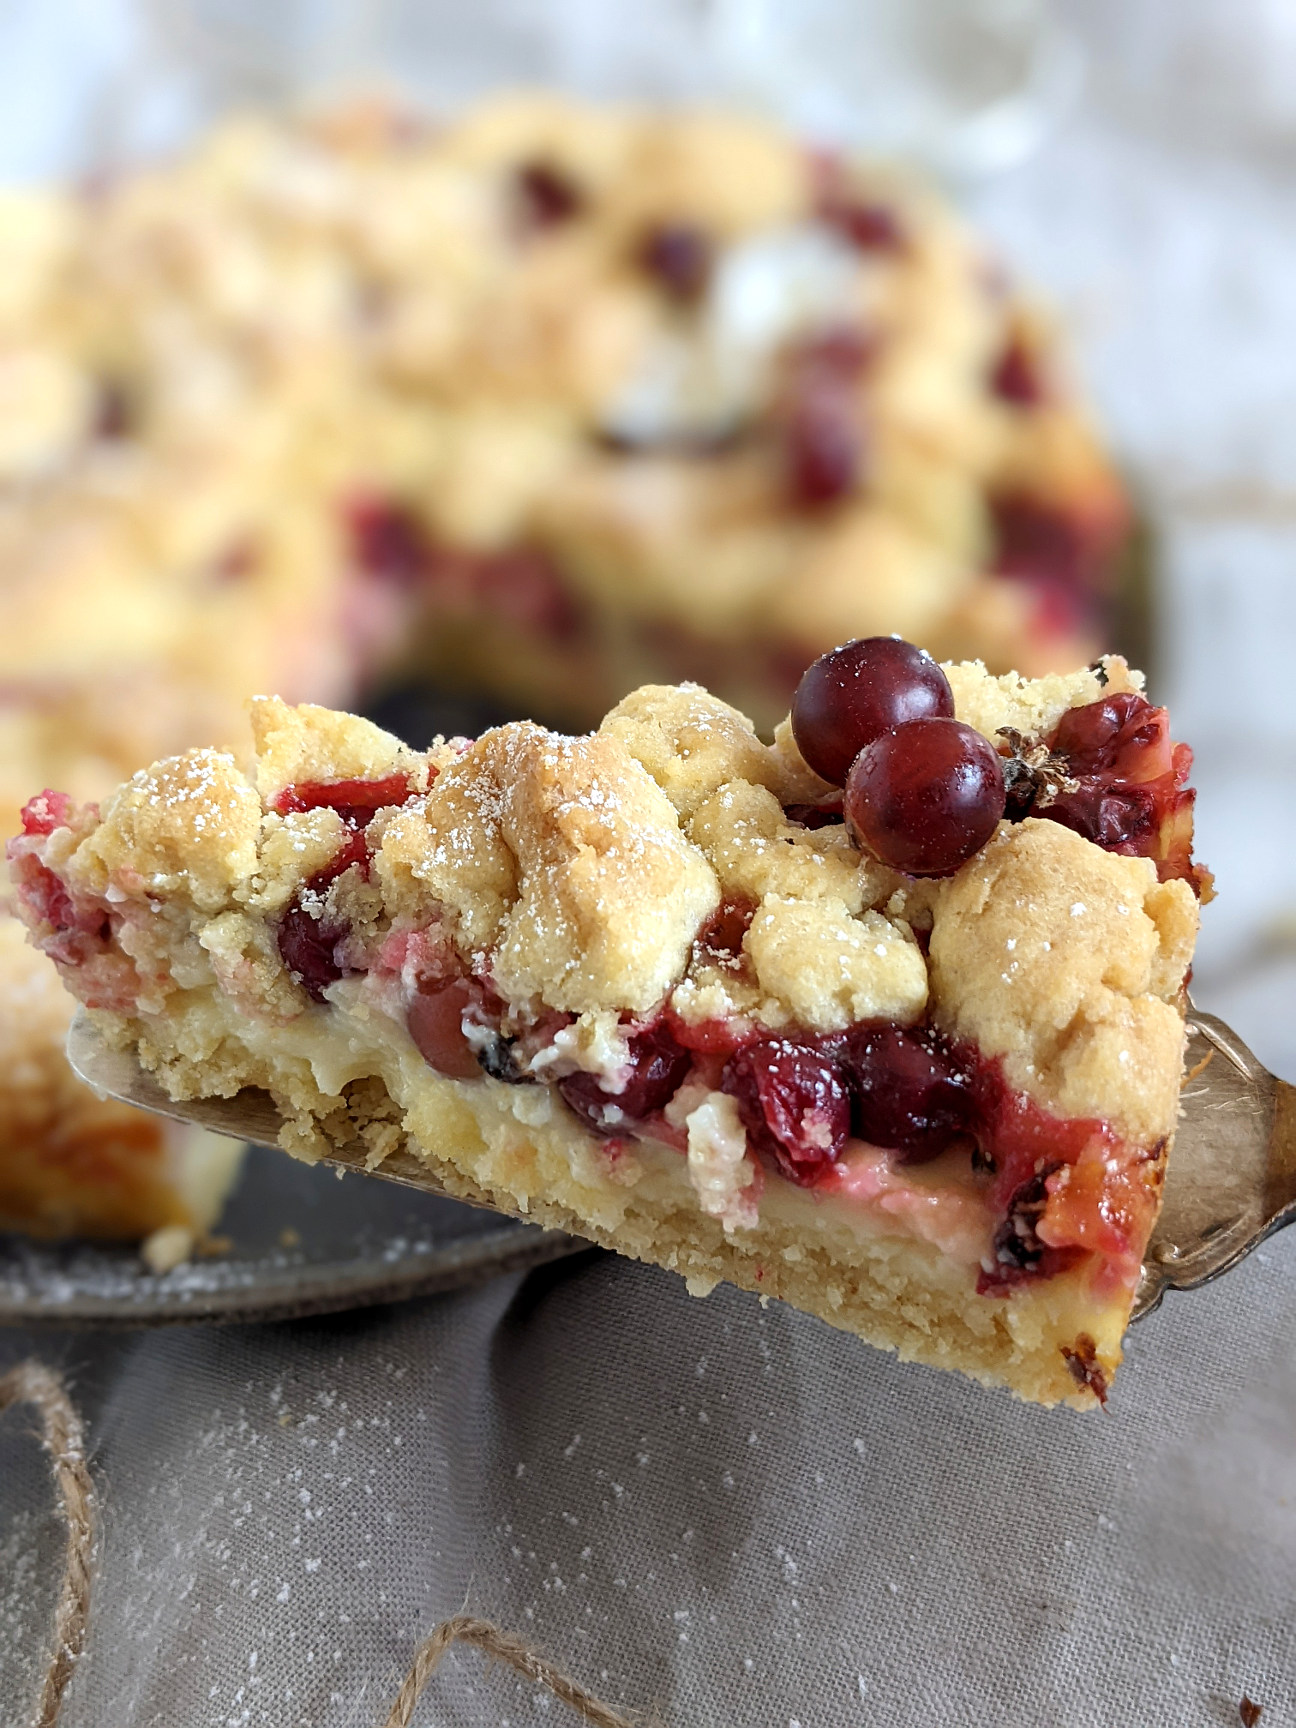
906 1054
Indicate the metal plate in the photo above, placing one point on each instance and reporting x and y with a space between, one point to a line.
302 1240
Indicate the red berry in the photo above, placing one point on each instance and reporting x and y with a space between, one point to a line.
45 812
925 797
387 541
658 1064
524 587
1117 818
793 1103
1122 735
308 948
547 196
679 257
357 802
308 944
1016 377
853 694
908 1092
1046 544
824 446
435 1022
114 411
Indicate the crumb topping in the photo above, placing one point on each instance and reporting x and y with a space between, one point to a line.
649 865
1068 962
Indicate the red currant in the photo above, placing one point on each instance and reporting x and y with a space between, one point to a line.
926 796
853 694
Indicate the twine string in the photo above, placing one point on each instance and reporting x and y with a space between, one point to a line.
62 1436
489 1638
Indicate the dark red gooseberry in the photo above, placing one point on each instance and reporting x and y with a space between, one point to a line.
909 1093
868 225
1121 734
854 693
1117 818
45 897
308 943
1016 376
548 197
308 948
1053 548
114 414
1017 1248
824 445
793 1103
658 1065
524 587
925 797
388 541
720 940
840 352
679 256
435 1022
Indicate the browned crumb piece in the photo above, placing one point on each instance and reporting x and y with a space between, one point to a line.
1085 1371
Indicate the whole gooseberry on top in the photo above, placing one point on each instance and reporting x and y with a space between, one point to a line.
926 796
854 693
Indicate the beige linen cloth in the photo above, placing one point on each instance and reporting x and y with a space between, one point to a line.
723 1516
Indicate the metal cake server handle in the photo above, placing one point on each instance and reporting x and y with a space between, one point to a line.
1231 1181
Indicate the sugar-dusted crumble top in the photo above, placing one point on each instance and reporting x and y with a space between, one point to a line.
663 861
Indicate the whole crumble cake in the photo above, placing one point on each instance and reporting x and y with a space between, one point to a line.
656 394
666 987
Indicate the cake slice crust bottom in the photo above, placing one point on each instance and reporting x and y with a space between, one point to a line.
1049 1343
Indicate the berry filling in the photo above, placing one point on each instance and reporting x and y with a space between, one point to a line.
868 224
1122 784
519 584
811 1105
680 258
356 801
546 197
1016 376
793 1102
910 1091
310 934
823 440
75 929
720 940
45 812
656 1069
